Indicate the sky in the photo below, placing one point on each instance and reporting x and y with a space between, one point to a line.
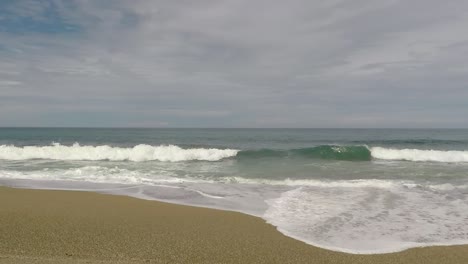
234 63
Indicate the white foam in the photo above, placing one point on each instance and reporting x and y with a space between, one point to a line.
96 174
371 220
372 183
356 216
104 175
117 175
419 155
137 153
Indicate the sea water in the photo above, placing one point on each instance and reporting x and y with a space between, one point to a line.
351 190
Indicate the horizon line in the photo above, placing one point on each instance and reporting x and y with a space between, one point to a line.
136 127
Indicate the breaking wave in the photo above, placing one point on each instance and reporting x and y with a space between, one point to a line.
136 153
172 153
360 153
331 152
419 155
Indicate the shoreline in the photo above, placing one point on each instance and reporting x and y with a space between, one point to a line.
56 226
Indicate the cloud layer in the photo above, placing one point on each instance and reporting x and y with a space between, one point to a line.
234 63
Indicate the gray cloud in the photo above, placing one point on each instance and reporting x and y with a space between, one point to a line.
237 63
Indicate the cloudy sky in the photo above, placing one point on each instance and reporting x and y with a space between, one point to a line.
234 63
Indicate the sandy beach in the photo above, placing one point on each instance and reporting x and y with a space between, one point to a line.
43 226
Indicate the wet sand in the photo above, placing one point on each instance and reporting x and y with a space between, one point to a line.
44 226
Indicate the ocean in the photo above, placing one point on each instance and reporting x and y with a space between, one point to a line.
352 190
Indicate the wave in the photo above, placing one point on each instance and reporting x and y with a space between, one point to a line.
172 153
93 153
330 152
419 155
361 153
403 142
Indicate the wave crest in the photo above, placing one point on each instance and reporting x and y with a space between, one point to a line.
173 153
137 153
360 153
419 155
330 152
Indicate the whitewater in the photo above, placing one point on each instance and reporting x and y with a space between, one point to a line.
137 153
172 153
355 191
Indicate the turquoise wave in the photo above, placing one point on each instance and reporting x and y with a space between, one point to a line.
328 152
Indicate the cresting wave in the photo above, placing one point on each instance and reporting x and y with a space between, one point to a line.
173 153
136 153
330 152
419 155
361 153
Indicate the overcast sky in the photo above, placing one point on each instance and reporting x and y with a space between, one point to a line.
234 63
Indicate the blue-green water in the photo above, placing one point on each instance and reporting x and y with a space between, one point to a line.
354 190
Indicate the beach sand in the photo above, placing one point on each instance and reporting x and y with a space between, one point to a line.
44 226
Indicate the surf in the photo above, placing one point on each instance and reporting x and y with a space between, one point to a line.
327 152
360 153
173 153
449 156
137 153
